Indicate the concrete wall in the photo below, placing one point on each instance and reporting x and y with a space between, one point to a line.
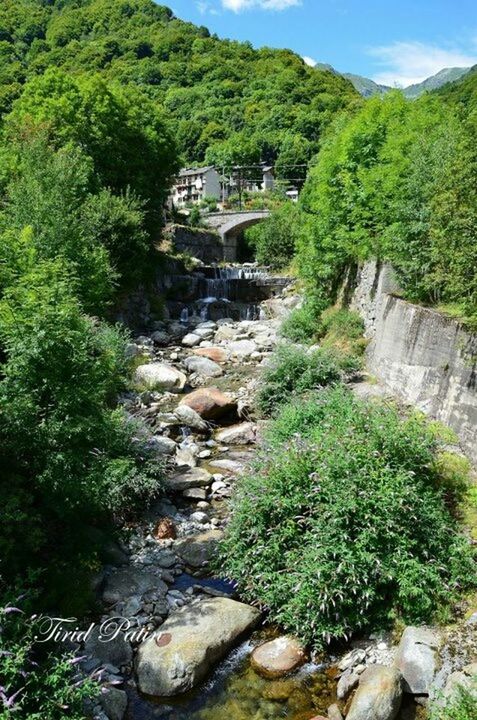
424 358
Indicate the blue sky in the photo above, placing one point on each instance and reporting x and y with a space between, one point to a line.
396 43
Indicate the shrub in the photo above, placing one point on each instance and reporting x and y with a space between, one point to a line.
36 685
295 371
462 706
342 524
274 239
344 329
303 325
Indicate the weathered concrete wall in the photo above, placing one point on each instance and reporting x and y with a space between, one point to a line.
203 244
424 358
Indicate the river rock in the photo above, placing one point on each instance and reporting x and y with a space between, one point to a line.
129 581
378 696
225 332
209 403
243 434
161 338
162 445
417 658
187 416
114 703
334 713
159 376
191 340
108 647
347 682
217 354
242 348
196 550
190 644
463 679
165 529
203 367
183 480
229 466
278 657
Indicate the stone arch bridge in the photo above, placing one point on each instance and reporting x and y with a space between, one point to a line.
231 224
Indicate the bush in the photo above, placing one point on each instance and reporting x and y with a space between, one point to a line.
343 329
462 706
295 371
342 525
303 325
274 239
36 685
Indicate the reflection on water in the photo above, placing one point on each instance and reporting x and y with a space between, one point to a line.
236 692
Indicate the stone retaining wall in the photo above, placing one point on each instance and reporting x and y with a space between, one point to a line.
424 358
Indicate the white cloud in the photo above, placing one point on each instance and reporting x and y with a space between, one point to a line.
407 63
204 7
309 61
239 5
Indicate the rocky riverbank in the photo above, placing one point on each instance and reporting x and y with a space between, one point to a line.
194 387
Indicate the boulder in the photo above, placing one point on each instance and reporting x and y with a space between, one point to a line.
191 340
465 679
209 403
217 354
161 338
203 366
196 550
242 348
347 682
192 478
243 434
378 696
278 657
114 703
129 581
417 658
162 445
334 713
159 376
189 417
229 466
190 644
109 648
225 332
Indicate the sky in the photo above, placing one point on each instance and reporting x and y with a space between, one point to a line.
395 43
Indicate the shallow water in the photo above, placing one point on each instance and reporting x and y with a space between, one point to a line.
236 692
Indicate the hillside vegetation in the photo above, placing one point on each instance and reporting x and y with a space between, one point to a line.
228 102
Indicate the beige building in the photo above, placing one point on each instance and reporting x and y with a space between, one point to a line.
194 184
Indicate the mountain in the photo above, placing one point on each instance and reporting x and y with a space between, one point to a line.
463 91
447 75
228 103
365 86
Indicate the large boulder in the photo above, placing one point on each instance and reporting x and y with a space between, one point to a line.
278 657
417 658
196 550
114 703
185 479
109 648
242 349
190 644
159 376
188 417
243 434
162 445
131 581
203 366
378 696
217 354
209 403
191 340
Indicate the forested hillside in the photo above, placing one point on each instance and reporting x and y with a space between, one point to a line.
228 102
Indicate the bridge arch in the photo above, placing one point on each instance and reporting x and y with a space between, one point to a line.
230 225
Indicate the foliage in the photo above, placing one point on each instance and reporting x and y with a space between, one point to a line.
303 325
343 329
461 706
342 525
36 685
228 102
293 370
395 181
274 239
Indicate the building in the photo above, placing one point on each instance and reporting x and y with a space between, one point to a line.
194 184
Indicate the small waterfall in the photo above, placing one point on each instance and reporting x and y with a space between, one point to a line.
185 315
220 286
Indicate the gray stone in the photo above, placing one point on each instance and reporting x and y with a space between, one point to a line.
159 376
242 349
190 644
347 682
378 696
197 550
129 581
195 494
243 434
162 445
192 478
104 644
203 366
465 679
229 466
417 658
200 517
114 702
160 338
334 713
191 340
189 417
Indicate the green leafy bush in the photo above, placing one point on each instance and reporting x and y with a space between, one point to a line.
35 684
295 371
274 239
342 524
303 325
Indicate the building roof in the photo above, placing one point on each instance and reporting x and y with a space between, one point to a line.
186 172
